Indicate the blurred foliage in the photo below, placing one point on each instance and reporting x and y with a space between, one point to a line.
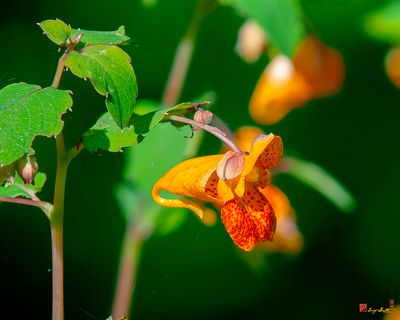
195 272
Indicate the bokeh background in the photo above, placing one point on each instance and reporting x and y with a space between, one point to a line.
196 272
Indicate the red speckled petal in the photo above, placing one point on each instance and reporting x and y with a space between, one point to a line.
249 219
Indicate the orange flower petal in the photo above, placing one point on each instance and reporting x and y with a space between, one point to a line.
266 152
244 137
249 219
280 89
321 66
287 236
194 178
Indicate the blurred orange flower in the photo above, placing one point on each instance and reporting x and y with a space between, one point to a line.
315 71
394 315
287 236
245 211
392 66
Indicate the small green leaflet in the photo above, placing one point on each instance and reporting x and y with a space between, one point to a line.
59 32
106 135
281 19
56 30
18 188
101 37
109 69
27 110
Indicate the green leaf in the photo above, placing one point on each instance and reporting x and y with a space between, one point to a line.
144 123
27 110
321 181
281 19
163 148
90 37
149 3
384 23
56 30
18 188
109 69
106 135
170 220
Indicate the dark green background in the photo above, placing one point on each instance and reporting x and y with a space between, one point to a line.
196 273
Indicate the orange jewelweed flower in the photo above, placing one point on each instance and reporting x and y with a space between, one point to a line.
246 213
392 66
287 237
280 89
315 71
321 66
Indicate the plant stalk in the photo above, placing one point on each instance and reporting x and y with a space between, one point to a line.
57 222
183 56
57 214
131 250
45 206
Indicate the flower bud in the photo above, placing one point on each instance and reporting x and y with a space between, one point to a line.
7 173
230 166
203 116
27 167
251 41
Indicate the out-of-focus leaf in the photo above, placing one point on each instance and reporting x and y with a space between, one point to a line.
163 148
90 37
106 135
56 30
109 69
18 188
149 3
170 220
27 110
320 180
384 23
256 260
281 19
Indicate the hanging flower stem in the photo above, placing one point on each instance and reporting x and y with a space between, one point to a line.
213 130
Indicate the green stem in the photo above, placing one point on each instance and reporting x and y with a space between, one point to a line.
131 250
57 221
45 206
57 214
183 56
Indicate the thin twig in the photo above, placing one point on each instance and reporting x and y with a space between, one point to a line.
45 206
213 130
